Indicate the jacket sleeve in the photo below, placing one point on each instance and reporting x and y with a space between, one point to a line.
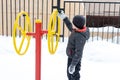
78 51
68 24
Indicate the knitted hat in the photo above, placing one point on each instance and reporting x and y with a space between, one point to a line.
79 21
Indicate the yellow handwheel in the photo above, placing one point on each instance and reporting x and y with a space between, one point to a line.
53 32
24 38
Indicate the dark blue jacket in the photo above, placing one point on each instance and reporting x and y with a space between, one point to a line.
76 42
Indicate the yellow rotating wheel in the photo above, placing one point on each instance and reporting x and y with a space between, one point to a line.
53 32
23 45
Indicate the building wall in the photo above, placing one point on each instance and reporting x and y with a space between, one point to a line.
37 9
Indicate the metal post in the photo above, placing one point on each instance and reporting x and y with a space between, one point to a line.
58 4
38 51
38 36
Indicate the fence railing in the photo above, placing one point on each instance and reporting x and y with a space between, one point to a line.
103 18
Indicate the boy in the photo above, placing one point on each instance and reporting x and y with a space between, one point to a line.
77 39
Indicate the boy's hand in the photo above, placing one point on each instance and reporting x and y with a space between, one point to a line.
62 15
71 69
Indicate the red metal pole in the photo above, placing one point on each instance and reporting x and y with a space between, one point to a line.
38 36
38 50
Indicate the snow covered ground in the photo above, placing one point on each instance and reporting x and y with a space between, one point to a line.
101 61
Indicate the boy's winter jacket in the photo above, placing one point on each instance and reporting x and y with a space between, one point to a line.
76 42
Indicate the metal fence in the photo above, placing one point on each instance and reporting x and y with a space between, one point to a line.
102 18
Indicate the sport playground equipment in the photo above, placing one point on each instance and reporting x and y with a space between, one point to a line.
53 36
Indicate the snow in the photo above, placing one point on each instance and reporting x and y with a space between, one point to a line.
105 29
101 61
